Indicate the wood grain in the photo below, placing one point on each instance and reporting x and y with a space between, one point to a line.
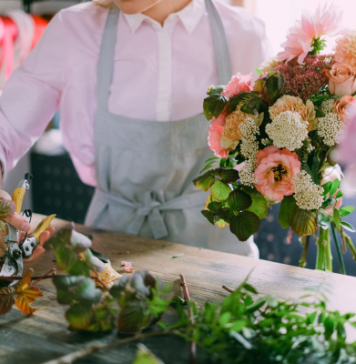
45 336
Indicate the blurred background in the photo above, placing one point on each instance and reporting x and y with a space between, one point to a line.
57 186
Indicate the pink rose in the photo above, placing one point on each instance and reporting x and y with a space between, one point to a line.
215 135
331 174
341 79
275 172
239 83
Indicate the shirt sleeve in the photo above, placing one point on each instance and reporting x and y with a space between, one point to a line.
32 94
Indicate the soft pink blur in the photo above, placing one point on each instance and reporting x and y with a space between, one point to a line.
270 158
325 21
215 135
239 83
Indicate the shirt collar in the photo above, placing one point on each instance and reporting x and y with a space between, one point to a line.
189 16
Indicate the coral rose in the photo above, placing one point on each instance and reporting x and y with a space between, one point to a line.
341 79
239 83
342 107
275 172
215 135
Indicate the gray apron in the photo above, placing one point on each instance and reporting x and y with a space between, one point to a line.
144 169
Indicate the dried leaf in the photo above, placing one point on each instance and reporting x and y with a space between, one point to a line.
108 276
128 266
6 299
26 294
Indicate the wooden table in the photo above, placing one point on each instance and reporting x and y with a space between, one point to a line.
44 336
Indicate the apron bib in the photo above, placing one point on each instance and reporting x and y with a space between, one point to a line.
144 169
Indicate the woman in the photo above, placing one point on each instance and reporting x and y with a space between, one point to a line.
130 85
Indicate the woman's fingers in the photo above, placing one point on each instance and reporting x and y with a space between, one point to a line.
36 253
18 222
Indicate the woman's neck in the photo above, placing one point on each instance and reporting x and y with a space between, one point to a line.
164 8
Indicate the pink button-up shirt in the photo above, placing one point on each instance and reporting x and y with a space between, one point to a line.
160 73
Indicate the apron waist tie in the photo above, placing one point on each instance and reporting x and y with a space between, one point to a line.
153 209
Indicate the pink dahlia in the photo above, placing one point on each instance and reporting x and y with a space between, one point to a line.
326 21
239 83
275 172
215 135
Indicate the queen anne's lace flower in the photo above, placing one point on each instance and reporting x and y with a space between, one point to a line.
330 127
308 195
327 106
288 130
249 144
247 174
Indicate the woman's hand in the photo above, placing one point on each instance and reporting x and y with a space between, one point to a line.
20 222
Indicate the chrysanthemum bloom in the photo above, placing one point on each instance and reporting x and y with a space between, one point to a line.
232 134
345 49
326 21
215 135
342 79
288 103
343 107
239 83
288 130
275 172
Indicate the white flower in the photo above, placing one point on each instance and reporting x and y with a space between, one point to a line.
327 106
246 173
330 127
288 130
269 65
308 195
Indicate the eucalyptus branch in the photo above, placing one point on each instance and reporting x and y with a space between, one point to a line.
70 358
193 346
227 289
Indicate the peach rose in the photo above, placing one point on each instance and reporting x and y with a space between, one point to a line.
275 172
215 135
341 79
342 107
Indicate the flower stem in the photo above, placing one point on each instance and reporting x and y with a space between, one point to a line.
193 346
321 255
227 289
53 271
341 259
328 254
303 259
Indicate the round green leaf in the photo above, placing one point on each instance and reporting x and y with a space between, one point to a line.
244 225
303 222
239 200
134 317
229 175
220 191
286 211
79 316
205 181
207 214
259 206
65 257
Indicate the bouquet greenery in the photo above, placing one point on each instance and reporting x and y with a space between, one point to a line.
275 141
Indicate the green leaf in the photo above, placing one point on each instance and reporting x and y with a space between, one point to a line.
271 301
59 239
346 210
79 316
208 215
303 222
229 175
274 84
220 191
244 225
313 169
327 187
329 327
134 317
259 119
239 200
286 211
259 206
224 318
215 90
208 166
256 305
337 219
214 105
249 101
339 194
79 268
100 256
311 318
238 325
65 257
259 72
250 288
334 186
76 289
347 226
205 181
145 356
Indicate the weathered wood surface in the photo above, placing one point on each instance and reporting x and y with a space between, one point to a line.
44 336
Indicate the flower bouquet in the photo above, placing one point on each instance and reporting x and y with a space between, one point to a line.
275 141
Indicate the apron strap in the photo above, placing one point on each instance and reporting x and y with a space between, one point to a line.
220 43
108 45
